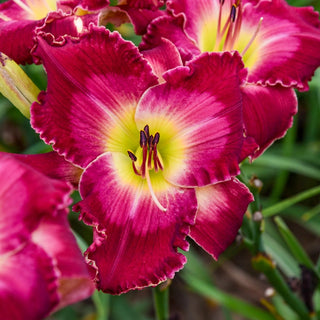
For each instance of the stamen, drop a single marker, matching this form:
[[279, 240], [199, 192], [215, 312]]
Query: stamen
[[134, 159], [252, 38]]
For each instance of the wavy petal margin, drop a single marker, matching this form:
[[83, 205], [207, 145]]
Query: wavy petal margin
[[220, 214], [198, 114], [268, 113], [135, 242], [92, 83]]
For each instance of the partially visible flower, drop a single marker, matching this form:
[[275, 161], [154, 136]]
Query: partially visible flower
[[39, 257], [158, 159], [278, 43], [20, 18]]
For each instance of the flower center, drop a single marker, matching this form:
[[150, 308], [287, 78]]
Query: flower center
[[230, 33], [150, 160]]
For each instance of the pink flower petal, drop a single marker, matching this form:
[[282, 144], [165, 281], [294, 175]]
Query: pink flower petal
[[268, 113], [55, 237], [135, 242], [220, 213], [91, 83], [202, 102], [163, 57], [171, 28], [20, 217], [28, 284], [52, 165]]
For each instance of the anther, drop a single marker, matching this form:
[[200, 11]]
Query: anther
[[132, 156], [156, 138], [146, 130], [143, 139], [233, 13]]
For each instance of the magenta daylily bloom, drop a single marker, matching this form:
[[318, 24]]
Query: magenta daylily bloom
[[39, 257], [20, 18], [154, 155], [278, 43]]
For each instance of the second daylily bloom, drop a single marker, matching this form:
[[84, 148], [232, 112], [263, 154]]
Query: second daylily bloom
[[155, 156], [278, 43]]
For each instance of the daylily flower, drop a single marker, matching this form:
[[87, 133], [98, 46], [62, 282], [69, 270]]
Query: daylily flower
[[20, 18], [153, 154], [278, 44], [39, 257]]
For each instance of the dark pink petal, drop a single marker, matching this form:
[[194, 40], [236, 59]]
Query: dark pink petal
[[220, 211], [26, 196], [135, 242], [294, 63], [28, 284], [171, 28], [52, 165], [268, 113], [92, 83], [54, 236], [16, 39], [204, 105], [163, 57]]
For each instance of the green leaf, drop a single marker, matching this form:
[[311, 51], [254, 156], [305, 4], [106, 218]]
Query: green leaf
[[277, 208], [293, 244]]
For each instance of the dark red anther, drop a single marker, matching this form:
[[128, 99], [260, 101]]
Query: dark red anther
[[146, 130], [150, 141], [233, 13], [156, 138], [132, 156], [143, 139]]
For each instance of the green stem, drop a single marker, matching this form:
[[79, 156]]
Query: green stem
[[161, 302], [270, 211], [102, 303]]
